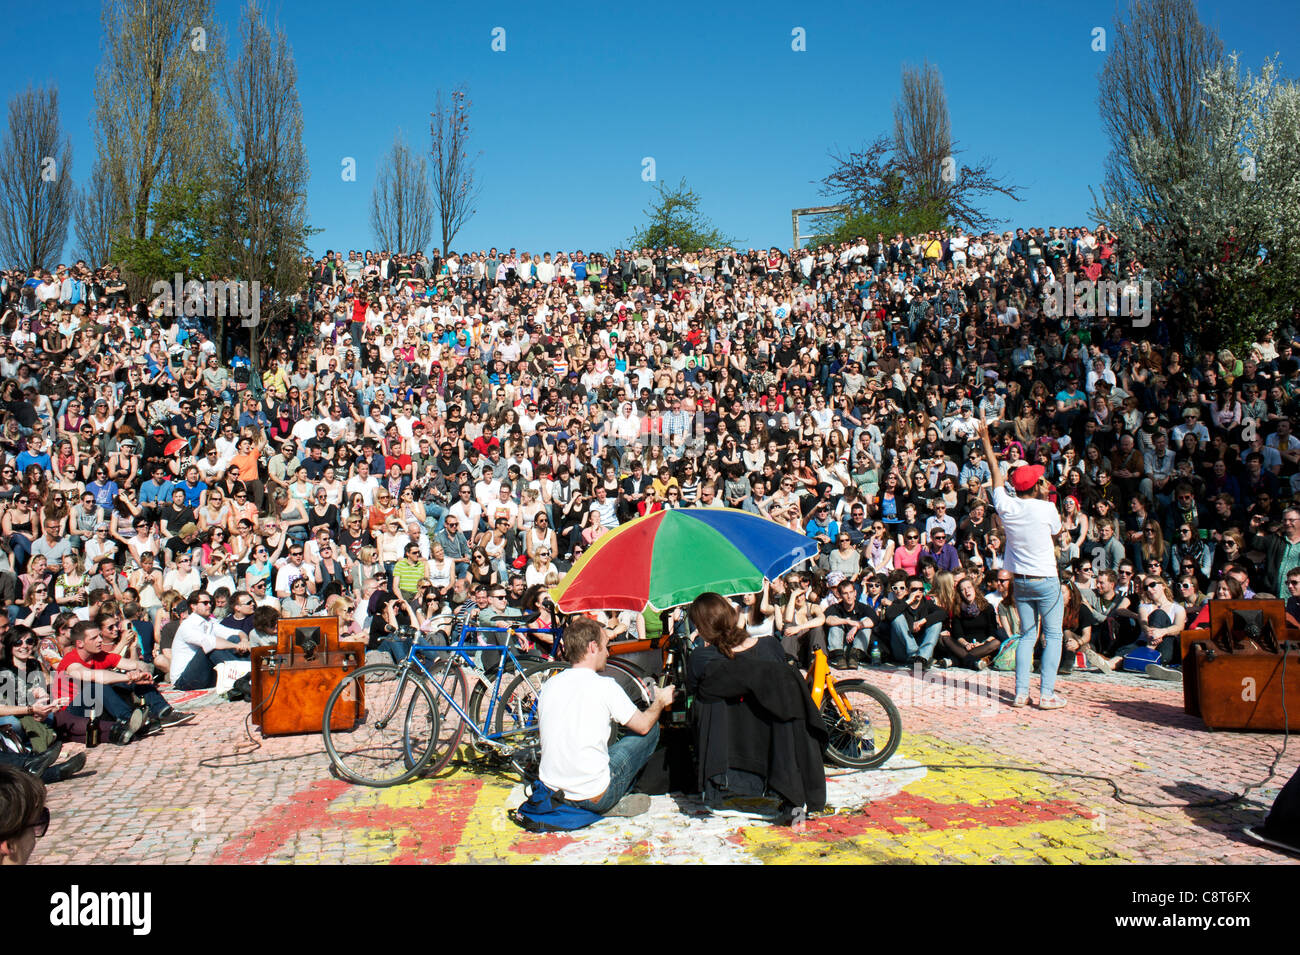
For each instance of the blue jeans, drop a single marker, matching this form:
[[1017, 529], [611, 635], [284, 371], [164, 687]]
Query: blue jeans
[[903, 642], [200, 673], [627, 757], [1039, 600], [835, 639], [435, 513], [22, 548], [113, 700]]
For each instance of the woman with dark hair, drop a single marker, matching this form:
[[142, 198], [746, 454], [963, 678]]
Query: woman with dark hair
[[24, 817], [737, 738]]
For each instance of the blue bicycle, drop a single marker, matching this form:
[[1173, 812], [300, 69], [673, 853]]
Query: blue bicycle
[[413, 714]]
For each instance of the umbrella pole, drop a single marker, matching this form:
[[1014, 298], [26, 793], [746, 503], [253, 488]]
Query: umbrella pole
[[665, 623]]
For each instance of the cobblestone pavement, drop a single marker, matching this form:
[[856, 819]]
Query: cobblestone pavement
[[153, 801]]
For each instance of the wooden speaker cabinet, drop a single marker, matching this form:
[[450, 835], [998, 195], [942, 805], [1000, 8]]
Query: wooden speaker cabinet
[[292, 681], [1238, 671]]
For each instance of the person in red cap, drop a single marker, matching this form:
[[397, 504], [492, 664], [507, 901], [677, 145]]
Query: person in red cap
[[1031, 523]]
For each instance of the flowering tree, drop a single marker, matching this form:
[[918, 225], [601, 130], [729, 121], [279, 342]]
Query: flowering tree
[[1213, 218]]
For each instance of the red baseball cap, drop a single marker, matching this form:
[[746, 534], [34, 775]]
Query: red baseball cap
[[1025, 477]]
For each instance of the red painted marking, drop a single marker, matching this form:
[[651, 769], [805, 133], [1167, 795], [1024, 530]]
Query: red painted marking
[[274, 828], [541, 844], [435, 828], [894, 813]]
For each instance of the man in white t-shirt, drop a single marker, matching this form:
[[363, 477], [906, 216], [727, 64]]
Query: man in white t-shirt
[[1031, 522], [575, 710]]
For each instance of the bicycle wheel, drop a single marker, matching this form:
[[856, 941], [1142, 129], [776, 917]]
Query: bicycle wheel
[[376, 751], [632, 679], [451, 727], [868, 737], [516, 714], [517, 707]]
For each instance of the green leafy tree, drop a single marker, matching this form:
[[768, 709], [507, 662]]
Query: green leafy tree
[[1212, 219], [184, 217], [891, 210], [675, 220], [158, 118]]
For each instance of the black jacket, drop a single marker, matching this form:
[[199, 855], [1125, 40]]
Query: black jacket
[[757, 715]]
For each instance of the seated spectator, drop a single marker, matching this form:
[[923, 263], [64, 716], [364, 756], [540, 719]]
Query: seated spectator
[[851, 622], [102, 684], [200, 644], [914, 624], [972, 639]]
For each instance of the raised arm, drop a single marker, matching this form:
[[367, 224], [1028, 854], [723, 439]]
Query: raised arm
[[994, 470]]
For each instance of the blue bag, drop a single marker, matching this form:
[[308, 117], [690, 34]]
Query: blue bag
[[1138, 660], [546, 810]]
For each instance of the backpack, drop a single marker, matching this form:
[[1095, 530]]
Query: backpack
[[1006, 655], [546, 810]]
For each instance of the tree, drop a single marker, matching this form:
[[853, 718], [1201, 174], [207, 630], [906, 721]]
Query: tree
[[401, 207], [884, 204], [1150, 83], [262, 194], [1212, 219], [95, 215], [157, 115], [455, 191], [911, 181], [185, 238], [35, 181], [923, 135], [675, 220]]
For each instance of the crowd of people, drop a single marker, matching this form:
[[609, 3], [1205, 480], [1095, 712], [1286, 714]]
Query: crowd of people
[[430, 439]]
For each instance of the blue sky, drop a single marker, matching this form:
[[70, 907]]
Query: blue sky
[[567, 113]]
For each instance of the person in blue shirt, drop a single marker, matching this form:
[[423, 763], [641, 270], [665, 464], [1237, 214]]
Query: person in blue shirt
[[974, 468], [34, 454], [821, 525], [157, 491], [192, 488], [253, 415], [104, 490]]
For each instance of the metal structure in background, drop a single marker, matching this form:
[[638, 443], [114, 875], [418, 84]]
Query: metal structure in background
[[810, 211]]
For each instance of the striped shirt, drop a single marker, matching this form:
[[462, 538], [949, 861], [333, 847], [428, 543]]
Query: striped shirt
[[408, 574]]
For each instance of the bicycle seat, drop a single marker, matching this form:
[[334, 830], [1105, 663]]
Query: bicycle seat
[[527, 618]]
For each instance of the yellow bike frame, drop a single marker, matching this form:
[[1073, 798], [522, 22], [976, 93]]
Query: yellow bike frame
[[820, 682]]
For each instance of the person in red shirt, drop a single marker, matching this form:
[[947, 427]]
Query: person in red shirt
[[96, 680]]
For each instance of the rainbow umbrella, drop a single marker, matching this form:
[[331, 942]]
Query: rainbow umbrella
[[669, 558]]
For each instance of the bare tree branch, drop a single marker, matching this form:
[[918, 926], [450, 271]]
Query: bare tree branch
[[913, 177], [401, 207], [923, 133], [454, 190], [35, 181], [266, 174], [1150, 83], [95, 215]]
